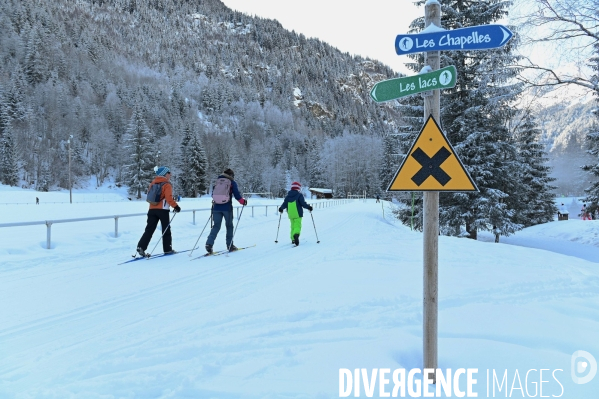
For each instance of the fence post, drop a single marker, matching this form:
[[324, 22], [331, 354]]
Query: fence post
[[252, 210], [194, 217], [48, 233], [116, 226]]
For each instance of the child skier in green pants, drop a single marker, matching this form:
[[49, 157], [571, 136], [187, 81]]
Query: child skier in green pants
[[294, 203]]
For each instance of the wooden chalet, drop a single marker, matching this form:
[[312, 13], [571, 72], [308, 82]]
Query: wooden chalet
[[320, 193]]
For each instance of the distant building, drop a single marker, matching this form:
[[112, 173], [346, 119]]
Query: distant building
[[321, 193]]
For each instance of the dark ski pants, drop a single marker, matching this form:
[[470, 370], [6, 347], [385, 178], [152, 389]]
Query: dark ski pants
[[155, 215], [217, 217]]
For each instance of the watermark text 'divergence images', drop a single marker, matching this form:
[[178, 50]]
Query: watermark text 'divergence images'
[[417, 383]]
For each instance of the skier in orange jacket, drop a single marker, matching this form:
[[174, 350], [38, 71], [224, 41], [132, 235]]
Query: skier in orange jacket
[[159, 211]]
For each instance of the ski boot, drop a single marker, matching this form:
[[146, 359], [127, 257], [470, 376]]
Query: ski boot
[[142, 253]]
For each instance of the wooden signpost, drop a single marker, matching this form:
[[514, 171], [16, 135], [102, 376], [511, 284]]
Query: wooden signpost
[[432, 165]]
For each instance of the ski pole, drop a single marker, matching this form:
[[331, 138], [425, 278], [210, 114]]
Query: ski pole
[[280, 214], [317, 240], [194, 245], [232, 238], [163, 233], [412, 218]]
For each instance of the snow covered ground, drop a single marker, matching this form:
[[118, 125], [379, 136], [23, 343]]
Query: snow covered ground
[[280, 322]]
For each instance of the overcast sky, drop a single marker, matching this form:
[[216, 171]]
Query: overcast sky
[[367, 28]]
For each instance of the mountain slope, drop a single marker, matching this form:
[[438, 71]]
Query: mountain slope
[[80, 68]]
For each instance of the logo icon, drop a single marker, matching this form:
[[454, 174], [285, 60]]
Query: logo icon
[[584, 367], [445, 78], [406, 44]]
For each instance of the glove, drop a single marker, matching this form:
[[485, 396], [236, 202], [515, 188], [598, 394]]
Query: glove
[[281, 210], [243, 201], [310, 208], [177, 209]]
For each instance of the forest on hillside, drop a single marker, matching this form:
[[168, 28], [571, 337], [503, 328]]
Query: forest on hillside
[[128, 85], [113, 88]]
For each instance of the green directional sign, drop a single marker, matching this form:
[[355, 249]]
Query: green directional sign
[[401, 87]]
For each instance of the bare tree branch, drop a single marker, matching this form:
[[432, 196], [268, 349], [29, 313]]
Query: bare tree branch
[[573, 25], [548, 77]]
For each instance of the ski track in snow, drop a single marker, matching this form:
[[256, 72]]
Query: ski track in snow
[[269, 321]]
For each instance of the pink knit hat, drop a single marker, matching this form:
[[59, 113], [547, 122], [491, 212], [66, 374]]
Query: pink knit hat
[[296, 186]]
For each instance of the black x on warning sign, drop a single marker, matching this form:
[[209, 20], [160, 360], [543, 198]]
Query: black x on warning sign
[[432, 165]]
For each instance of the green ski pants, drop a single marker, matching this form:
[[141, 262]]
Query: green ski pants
[[296, 226]]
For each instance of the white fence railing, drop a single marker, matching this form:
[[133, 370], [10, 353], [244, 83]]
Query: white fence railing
[[49, 223]]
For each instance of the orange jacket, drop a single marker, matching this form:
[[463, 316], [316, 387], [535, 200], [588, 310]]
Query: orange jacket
[[166, 196]]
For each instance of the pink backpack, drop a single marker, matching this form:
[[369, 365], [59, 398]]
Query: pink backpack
[[221, 194]]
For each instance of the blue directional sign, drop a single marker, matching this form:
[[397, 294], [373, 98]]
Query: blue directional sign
[[472, 38]]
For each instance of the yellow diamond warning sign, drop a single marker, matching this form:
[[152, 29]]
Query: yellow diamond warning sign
[[432, 165]]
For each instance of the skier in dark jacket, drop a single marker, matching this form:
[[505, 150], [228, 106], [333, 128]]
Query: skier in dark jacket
[[220, 211], [294, 203]]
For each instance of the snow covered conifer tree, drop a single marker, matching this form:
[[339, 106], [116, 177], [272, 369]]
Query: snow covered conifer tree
[[9, 166], [196, 168], [593, 191], [14, 97], [277, 154], [4, 128], [593, 142], [139, 172], [535, 203], [182, 178], [35, 65], [389, 163], [44, 180], [474, 117], [315, 166]]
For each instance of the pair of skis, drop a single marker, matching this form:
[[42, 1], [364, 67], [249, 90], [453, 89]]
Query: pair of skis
[[136, 258], [223, 252]]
